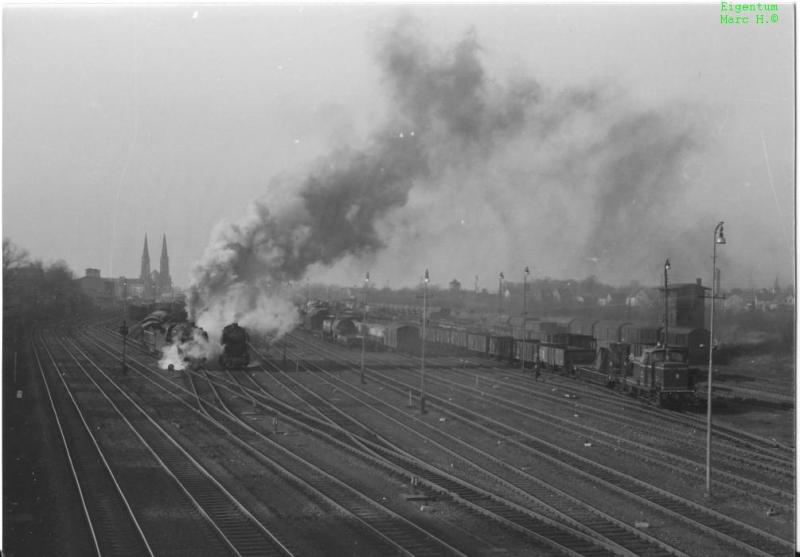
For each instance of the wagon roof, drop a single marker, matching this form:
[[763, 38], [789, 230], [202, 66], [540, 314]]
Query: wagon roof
[[650, 326], [612, 323], [687, 330], [584, 321], [396, 326]]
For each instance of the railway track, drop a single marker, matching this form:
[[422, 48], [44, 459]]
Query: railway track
[[391, 532], [728, 479], [213, 505], [740, 535], [113, 526], [497, 508], [732, 437], [749, 539], [627, 539]]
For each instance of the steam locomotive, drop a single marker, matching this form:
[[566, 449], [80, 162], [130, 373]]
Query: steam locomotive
[[156, 332], [235, 355]]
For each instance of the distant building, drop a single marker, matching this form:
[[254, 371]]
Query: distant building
[[101, 290], [641, 298], [686, 304]]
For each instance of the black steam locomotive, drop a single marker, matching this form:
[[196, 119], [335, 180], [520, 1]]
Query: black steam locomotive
[[235, 355]]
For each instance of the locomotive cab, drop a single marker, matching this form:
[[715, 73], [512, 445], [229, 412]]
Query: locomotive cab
[[663, 373]]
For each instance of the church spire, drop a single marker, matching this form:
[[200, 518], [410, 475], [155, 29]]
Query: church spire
[[165, 281], [145, 273], [144, 276]]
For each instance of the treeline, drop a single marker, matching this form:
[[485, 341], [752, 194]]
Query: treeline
[[34, 292]]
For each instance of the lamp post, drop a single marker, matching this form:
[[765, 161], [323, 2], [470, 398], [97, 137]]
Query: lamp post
[[525, 274], [364, 327], [719, 238], [667, 267], [422, 359], [123, 330], [124, 298]]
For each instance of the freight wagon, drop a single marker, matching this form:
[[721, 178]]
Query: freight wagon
[[501, 347], [477, 342], [563, 357], [403, 337], [527, 351]]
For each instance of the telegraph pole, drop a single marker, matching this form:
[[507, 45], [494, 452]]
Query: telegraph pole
[[525, 274], [364, 327], [422, 359]]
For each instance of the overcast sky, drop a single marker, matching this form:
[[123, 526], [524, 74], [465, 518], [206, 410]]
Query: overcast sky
[[640, 128]]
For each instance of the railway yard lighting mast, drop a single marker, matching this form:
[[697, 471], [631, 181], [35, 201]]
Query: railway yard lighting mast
[[123, 330], [667, 267], [363, 327], [525, 274], [422, 350], [719, 238]]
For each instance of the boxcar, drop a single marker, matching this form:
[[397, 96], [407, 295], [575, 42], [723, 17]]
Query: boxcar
[[574, 340], [543, 331], [458, 338], [559, 356], [640, 336], [501, 347], [438, 334], [527, 350], [607, 332], [478, 342], [403, 337]]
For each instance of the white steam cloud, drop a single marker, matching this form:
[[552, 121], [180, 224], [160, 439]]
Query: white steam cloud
[[181, 352]]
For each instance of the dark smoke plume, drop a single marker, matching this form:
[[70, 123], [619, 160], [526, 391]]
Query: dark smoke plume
[[446, 113], [492, 175]]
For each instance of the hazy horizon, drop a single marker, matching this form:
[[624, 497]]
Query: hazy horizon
[[575, 139]]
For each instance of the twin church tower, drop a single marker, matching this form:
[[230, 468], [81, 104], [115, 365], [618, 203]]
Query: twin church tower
[[156, 283]]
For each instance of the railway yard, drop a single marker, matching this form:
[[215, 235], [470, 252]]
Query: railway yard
[[297, 456]]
